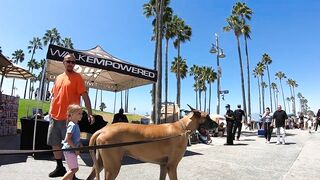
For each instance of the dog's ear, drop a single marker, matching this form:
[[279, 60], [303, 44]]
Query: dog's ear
[[196, 113], [192, 109]]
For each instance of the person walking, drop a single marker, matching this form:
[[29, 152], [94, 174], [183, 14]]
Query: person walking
[[230, 121], [267, 120], [278, 120], [317, 123], [238, 115], [72, 140], [68, 88]]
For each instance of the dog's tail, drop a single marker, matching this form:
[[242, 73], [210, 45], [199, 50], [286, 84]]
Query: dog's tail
[[94, 155]]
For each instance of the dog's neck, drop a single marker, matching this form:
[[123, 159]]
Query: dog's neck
[[186, 124]]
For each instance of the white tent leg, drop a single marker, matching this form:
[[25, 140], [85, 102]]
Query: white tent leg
[[115, 101]]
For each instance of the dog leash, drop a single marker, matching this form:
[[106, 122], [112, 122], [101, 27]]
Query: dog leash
[[104, 146]]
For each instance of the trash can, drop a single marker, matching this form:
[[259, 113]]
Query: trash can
[[145, 121]]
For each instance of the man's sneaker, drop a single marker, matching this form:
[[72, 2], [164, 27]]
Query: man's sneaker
[[283, 142], [278, 143], [58, 172], [268, 142]]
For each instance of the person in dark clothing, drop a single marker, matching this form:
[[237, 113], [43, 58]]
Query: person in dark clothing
[[301, 118], [279, 121], [238, 115], [230, 121], [317, 121], [267, 120], [120, 117]]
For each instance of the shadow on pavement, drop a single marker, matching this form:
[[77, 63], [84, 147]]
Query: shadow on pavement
[[127, 160]]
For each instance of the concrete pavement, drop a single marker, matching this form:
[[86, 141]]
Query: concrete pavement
[[249, 158]]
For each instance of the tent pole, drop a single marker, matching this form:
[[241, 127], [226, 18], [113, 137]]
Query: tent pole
[[114, 104], [39, 97], [2, 77]]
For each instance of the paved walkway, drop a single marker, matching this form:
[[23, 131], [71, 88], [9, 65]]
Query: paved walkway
[[250, 158]]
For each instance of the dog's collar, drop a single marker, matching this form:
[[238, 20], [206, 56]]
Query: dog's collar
[[184, 128]]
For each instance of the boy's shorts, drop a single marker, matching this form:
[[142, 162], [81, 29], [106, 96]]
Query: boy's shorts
[[56, 132], [71, 160]]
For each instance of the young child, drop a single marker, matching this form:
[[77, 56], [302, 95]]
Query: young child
[[72, 140], [309, 123]]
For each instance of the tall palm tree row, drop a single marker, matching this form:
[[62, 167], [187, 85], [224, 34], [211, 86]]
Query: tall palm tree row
[[280, 75], [34, 45], [292, 85], [258, 73], [236, 25], [17, 57], [32, 64], [195, 71], [67, 43], [245, 13], [266, 60], [211, 77]]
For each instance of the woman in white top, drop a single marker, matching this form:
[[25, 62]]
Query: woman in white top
[[267, 120]]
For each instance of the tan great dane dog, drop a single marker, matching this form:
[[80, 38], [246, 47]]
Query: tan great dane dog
[[167, 153]]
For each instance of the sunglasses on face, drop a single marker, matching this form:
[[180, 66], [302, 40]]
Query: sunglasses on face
[[70, 62]]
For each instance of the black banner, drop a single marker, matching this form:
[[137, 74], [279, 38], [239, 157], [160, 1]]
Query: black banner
[[57, 53]]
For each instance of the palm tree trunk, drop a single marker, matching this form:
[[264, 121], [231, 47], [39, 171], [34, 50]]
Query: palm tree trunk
[[284, 102], [25, 87], [178, 77], [13, 81], [269, 89], [209, 97], [159, 64], [262, 91], [166, 83], [30, 92], [242, 80], [294, 101], [95, 100], [196, 99], [274, 98], [200, 99], [248, 76], [259, 95], [205, 101]]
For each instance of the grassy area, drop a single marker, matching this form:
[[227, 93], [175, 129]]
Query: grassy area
[[26, 106]]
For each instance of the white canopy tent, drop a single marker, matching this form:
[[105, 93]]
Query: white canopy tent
[[99, 69]]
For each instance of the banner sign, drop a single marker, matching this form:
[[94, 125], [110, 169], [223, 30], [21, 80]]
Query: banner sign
[[57, 53]]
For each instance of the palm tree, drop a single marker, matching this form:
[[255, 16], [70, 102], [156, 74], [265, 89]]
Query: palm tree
[[258, 73], [245, 13], [67, 43], [280, 75], [274, 90], [288, 101], [195, 71], [183, 33], [181, 73], [33, 46], [212, 76], [267, 61], [32, 64], [236, 25], [292, 84], [300, 100], [51, 37], [17, 57], [263, 87], [169, 33], [155, 8]]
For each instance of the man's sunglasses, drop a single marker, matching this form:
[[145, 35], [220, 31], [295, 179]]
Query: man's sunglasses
[[70, 62]]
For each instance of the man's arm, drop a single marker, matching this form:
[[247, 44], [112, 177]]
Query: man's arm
[[87, 103]]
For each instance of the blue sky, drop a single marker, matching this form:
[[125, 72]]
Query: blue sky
[[287, 30]]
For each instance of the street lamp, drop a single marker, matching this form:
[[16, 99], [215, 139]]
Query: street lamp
[[215, 49]]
